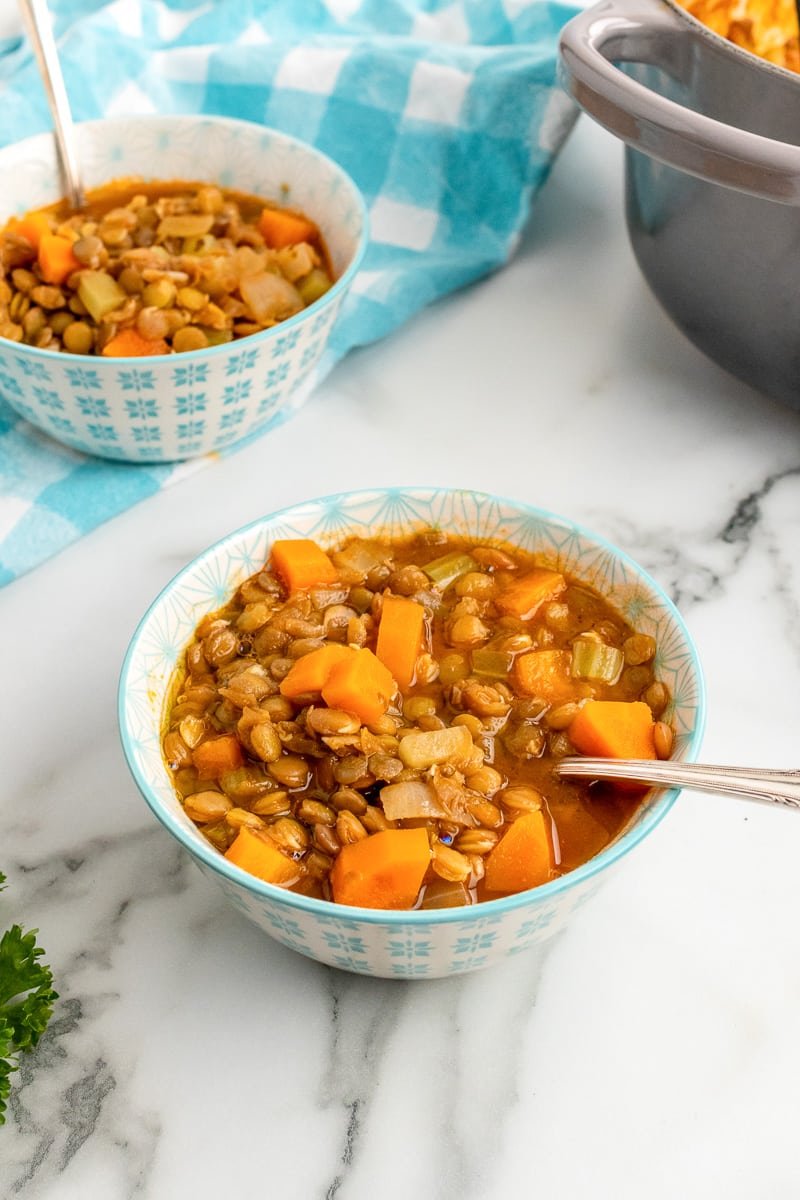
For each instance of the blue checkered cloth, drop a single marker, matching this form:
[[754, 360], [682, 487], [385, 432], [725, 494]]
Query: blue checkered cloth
[[447, 113]]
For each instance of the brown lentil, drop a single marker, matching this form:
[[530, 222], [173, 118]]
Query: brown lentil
[[237, 817], [272, 804], [476, 841], [207, 806], [349, 828], [449, 864], [291, 770], [638, 648], [663, 739], [349, 800], [265, 742], [657, 697], [289, 834], [520, 798], [326, 840]]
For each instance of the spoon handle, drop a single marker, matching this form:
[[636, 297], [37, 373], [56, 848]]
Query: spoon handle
[[40, 31], [763, 785]]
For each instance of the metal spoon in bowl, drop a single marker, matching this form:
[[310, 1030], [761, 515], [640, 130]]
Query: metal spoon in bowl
[[763, 785], [40, 31]]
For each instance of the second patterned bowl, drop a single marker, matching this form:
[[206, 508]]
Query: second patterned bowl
[[169, 407]]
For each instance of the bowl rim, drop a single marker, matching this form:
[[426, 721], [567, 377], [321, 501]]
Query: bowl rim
[[253, 340], [662, 798]]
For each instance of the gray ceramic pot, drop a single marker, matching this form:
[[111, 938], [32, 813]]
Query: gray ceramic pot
[[712, 169]]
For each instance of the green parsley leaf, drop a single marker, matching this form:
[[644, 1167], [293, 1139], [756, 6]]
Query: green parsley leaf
[[26, 1000]]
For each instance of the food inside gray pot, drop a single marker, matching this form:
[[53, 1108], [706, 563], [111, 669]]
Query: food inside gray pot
[[712, 177]]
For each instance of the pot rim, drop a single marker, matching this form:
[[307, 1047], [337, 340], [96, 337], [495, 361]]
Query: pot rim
[[596, 42]]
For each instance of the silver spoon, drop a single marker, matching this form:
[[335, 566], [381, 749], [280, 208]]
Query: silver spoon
[[763, 785], [40, 31]]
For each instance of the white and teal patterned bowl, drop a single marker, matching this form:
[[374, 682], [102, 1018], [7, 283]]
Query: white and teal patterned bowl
[[178, 406], [418, 944]]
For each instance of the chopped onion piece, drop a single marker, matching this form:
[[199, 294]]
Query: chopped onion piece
[[412, 798], [453, 796], [359, 557], [423, 749], [270, 297]]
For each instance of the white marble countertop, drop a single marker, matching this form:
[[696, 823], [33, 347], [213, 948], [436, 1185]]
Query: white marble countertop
[[653, 1050]]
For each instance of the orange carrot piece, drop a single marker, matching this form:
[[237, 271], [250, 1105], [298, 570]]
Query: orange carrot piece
[[256, 853], [614, 729], [361, 684], [523, 858], [32, 226], [56, 260], [280, 228], [218, 755], [545, 673], [309, 674], [400, 637], [525, 594], [301, 564], [129, 343], [384, 870]]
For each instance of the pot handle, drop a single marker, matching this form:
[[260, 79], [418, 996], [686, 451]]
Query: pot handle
[[651, 32]]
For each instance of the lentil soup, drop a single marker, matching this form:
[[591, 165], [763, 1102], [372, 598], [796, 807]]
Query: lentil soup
[[156, 268], [376, 724]]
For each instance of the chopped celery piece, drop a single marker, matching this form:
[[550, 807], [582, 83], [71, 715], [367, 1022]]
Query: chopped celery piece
[[443, 571], [494, 664], [100, 293], [216, 337], [596, 660], [315, 284]]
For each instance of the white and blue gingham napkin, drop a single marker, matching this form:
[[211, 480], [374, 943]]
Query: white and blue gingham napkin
[[447, 114]]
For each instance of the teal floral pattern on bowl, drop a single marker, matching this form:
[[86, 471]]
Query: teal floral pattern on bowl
[[415, 944], [178, 406]]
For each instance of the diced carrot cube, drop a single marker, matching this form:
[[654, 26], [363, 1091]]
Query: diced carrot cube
[[525, 594], [280, 228], [400, 634], [256, 853], [129, 343], [32, 226], [360, 684], [384, 870], [302, 564], [218, 755], [545, 673], [56, 259], [309, 673], [614, 729], [523, 858]]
